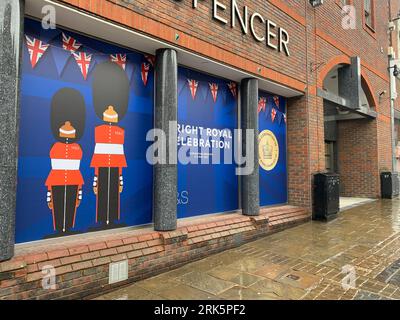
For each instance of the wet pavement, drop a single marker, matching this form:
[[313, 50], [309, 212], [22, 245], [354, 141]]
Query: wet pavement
[[356, 256]]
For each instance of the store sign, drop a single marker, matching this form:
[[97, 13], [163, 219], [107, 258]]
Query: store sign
[[261, 28], [86, 107]]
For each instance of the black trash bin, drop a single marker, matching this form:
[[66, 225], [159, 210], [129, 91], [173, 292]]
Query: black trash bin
[[389, 185], [326, 196]]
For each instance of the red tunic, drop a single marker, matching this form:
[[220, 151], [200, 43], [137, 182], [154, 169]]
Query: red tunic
[[65, 160], [109, 149]]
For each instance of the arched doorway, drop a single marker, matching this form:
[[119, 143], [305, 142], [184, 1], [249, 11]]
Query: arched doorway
[[349, 130]]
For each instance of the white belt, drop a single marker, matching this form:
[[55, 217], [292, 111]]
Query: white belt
[[109, 148], [65, 164]]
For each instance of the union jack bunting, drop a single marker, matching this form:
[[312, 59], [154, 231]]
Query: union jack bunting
[[233, 87], [36, 49], [193, 85], [83, 60], [69, 43], [276, 100], [151, 59], [273, 114], [214, 90], [145, 72], [119, 59], [262, 104]]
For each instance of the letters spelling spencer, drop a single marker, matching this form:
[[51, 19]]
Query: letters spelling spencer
[[276, 38]]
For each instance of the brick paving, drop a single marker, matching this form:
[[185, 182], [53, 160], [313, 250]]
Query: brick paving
[[356, 256]]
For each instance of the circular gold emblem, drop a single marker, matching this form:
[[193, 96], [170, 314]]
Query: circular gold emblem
[[268, 150]]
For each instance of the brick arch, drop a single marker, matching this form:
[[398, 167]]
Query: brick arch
[[342, 59], [365, 82], [367, 87]]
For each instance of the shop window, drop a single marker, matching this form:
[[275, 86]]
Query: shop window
[[207, 118], [272, 149], [86, 107]]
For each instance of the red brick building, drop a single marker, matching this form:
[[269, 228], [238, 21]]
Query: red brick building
[[329, 63]]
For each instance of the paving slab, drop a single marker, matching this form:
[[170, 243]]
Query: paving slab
[[205, 282], [356, 256]]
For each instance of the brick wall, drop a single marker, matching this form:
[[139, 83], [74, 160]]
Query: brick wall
[[82, 264], [357, 158]]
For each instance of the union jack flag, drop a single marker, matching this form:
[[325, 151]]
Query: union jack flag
[[36, 49], [145, 72], [69, 43], [262, 104], [193, 85], [214, 90], [276, 100], [151, 59], [83, 60], [119, 59], [273, 114], [233, 87]]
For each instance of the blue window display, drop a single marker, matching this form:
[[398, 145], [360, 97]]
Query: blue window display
[[207, 117], [272, 149], [82, 151]]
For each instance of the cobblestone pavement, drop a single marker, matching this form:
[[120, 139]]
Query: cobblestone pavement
[[356, 256]]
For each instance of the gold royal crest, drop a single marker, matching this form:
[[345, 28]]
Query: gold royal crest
[[268, 150]]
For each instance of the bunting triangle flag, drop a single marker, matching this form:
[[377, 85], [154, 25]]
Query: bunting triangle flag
[[151, 59], [214, 91], [83, 61], [233, 88], [145, 72], [119, 59], [193, 86], [273, 114], [280, 117], [181, 85], [61, 58], [36, 49], [276, 101], [262, 104], [69, 43], [203, 91], [224, 93], [93, 53], [49, 35]]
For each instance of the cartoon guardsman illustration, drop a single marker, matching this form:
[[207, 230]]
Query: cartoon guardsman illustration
[[65, 181], [110, 100]]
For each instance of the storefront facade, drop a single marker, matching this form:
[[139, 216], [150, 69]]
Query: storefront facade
[[82, 101]]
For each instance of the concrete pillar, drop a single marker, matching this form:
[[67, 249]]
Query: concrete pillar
[[166, 110], [250, 193], [349, 78], [11, 33]]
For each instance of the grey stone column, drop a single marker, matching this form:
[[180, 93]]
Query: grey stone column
[[250, 194], [11, 33], [166, 110], [350, 82]]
